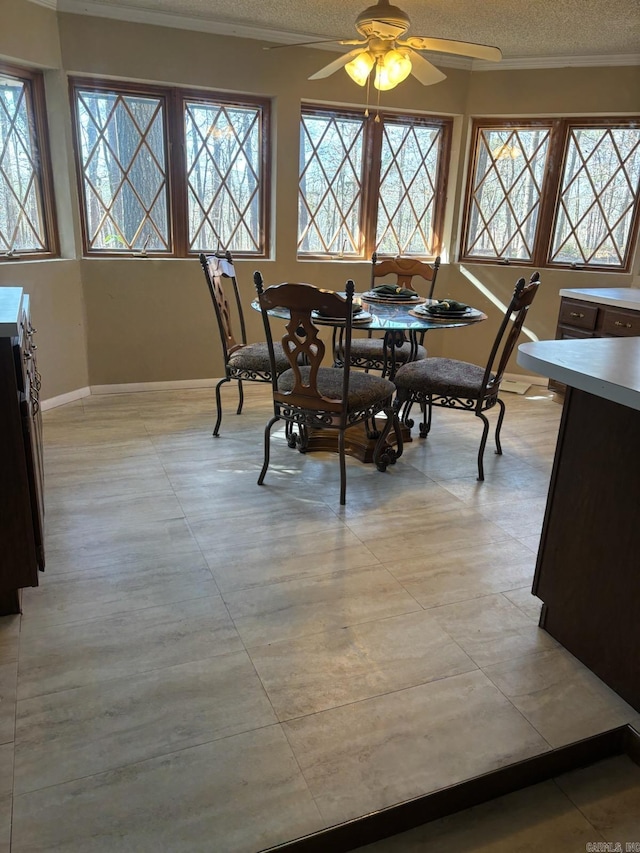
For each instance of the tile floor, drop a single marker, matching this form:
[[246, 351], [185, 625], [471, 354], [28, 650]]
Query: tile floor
[[595, 808], [212, 666]]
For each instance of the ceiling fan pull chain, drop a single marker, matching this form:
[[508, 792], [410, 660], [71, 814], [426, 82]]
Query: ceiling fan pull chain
[[366, 112]]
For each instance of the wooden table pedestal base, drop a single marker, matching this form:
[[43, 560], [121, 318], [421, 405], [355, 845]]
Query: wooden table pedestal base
[[356, 441]]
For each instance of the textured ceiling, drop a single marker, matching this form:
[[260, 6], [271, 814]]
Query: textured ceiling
[[520, 28]]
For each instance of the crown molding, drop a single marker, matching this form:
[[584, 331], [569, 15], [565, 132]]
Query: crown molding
[[239, 30], [532, 62], [182, 22]]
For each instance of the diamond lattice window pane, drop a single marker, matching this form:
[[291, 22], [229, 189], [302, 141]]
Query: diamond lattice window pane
[[22, 226], [224, 173], [330, 187], [124, 172], [600, 186], [505, 197], [410, 162]]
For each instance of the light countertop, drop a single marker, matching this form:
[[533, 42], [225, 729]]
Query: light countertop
[[606, 367], [10, 307], [621, 297]]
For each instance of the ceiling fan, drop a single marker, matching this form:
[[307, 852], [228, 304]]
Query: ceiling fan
[[394, 57]]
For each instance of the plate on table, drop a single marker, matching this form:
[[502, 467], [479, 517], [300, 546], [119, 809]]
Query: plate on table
[[434, 311], [360, 316], [427, 312], [392, 299], [447, 308]]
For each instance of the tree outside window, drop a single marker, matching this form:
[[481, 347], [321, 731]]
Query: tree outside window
[[167, 172], [27, 220], [554, 193], [369, 185]]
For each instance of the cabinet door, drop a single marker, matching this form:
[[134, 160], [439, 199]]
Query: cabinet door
[[18, 558], [32, 432], [35, 476]]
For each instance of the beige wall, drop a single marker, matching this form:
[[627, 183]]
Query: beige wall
[[57, 312], [29, 33], [151, 320], [552, 91], [29, 36]]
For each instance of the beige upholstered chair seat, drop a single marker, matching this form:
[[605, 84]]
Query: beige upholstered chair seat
[[254, 358], [444, 377], [373, 348], [364, 389]]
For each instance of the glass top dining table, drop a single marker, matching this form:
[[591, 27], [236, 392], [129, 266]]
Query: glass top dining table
[[400, 320]]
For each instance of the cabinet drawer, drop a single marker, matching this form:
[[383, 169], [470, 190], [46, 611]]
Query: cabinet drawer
[[620, 323], [569, 333], [579, 314]]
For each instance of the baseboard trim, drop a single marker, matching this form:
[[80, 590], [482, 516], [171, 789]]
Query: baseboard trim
[[172, 385], [63, 399], [127, 388], [186, 384], [357, 833]]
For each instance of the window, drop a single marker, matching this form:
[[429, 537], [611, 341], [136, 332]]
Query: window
[[224, 159], [123, 161], [27, 218], [368, 185], [554, 193], [170, 172]]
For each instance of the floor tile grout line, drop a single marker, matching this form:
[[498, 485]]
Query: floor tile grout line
[[128, 675], [599, 835], [147, 759], [380, 695]]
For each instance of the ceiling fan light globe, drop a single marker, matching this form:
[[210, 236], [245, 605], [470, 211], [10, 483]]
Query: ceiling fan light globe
[[398, 64], [360, 67], [393, 68], [381, 80]]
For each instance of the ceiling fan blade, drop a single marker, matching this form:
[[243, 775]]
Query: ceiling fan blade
[[461, 48], [299, 44], [338, 63], [307, 43], [425, 71]]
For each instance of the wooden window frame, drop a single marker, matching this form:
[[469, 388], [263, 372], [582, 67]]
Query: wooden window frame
[[371, 167], [560, 133], [263, 105], [34, 81], [174, 99]]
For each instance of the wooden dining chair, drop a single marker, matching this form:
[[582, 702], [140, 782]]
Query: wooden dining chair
[[311, 396], [455, 384], [384, 354], [405, 271], [242, 361]]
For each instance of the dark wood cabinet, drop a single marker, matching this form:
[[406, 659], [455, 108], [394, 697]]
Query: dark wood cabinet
[[587, 568], [579, 318], [21, 453]]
